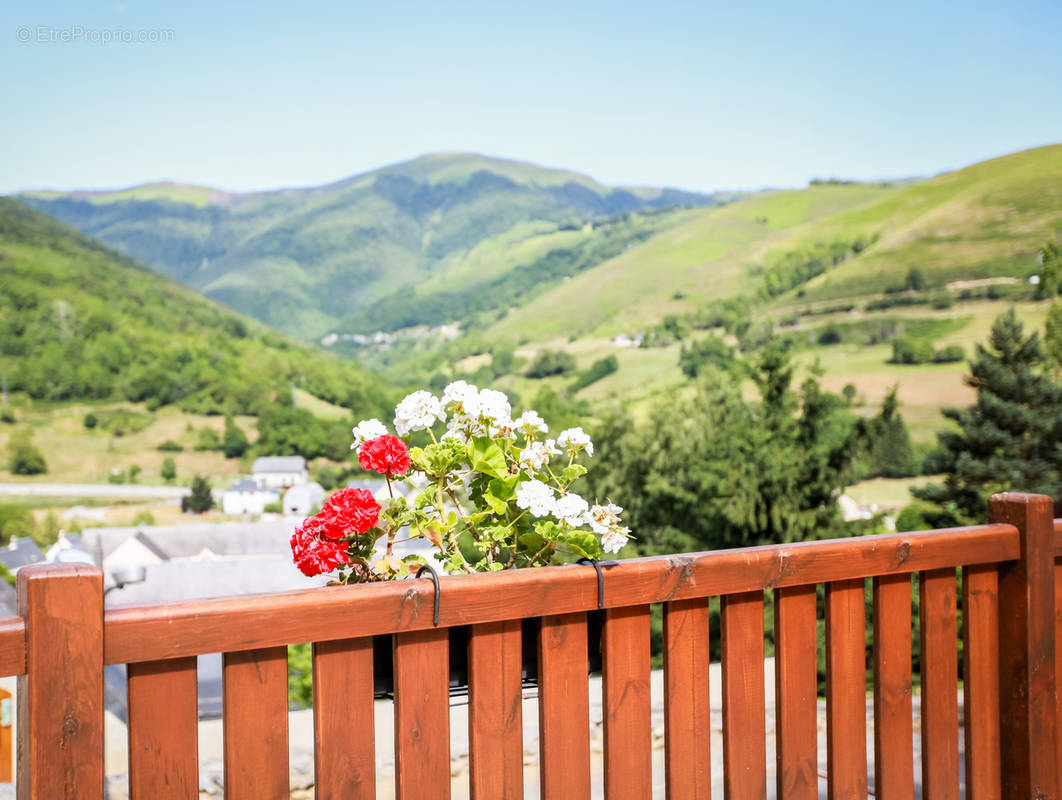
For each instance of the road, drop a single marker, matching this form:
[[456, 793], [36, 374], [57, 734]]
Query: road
[[115, 490]]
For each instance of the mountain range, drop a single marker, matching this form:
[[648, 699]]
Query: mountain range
[[304, 260]]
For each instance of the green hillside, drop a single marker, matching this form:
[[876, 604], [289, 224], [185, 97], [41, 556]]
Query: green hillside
[[79, 321], [985, 221], [845, 271], [301, 260]]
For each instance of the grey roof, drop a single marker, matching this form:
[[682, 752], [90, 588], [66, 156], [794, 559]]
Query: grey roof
[[245, 485], [279, 464], [150, 545], [186, 541], [21, 552]]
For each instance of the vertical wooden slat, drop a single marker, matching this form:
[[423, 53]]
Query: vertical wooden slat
[[628, 728], [163, 730], [980, 628], [495, 714], [563, 707], [255, 723], [846, 700], [744, 729], [940, 701], [795, 693], [344, 723], [1028, 736], [422, 714], [687, 714], [893, 720], [1058, 659], [60, 698]]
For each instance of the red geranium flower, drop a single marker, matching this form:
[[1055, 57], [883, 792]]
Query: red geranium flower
[[387, 455], [348, 510], [313, 552]]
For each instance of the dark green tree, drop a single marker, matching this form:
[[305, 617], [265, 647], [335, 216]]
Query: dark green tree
[[1053, 337], [710, 352], [169, 469], [721, 471], [234, 441], [1008, 440], [888, 451], [1050, 271], [201, 499]]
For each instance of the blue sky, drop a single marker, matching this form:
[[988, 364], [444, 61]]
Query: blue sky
[[699, 95]]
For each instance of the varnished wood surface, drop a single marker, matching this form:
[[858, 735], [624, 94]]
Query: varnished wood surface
[[152, 633]]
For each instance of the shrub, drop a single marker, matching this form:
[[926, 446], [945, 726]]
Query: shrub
[[273, 508], [912, 518], [831, 334], [943, 300], [90, 421], [169, 446], [207, 439], [169, 470], [27, 460], [599, 369], [7, 415], [144, 517], [911, 351], [551, 362], [950, 354]]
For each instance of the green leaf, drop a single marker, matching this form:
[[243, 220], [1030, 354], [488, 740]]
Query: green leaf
[[584, 544], [573, 473], [504, 488], [497, 506], [533, 542], [485, 456], [469, 548], [496, 533]]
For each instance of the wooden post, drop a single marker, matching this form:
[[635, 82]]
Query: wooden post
[[1027, 649], [60, 698]]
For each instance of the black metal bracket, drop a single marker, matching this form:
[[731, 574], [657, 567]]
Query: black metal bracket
[[600, 580], [438, 592]]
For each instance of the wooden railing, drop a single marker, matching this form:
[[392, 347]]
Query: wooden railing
[[63, 638]]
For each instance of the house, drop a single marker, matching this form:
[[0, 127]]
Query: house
[[280, 472], [20, 552], [135, 551], [300, 501], [247, 496]]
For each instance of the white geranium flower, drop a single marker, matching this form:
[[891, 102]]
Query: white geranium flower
[[418, 412], [536, 497], [494, 406], [465, 398], [572, 509], [502, 428], [602, 518], [614, 539], [365, 430], [529, 422], [574, 439], [537, 454]]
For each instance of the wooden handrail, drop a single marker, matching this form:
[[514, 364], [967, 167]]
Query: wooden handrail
[[152, 633]]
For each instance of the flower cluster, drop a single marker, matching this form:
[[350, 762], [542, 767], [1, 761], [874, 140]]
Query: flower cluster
[[490, 492]]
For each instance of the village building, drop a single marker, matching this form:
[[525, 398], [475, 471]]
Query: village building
[[280, 472]]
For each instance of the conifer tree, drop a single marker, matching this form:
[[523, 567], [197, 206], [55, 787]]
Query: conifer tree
[[1009, 440], [889, 452]]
